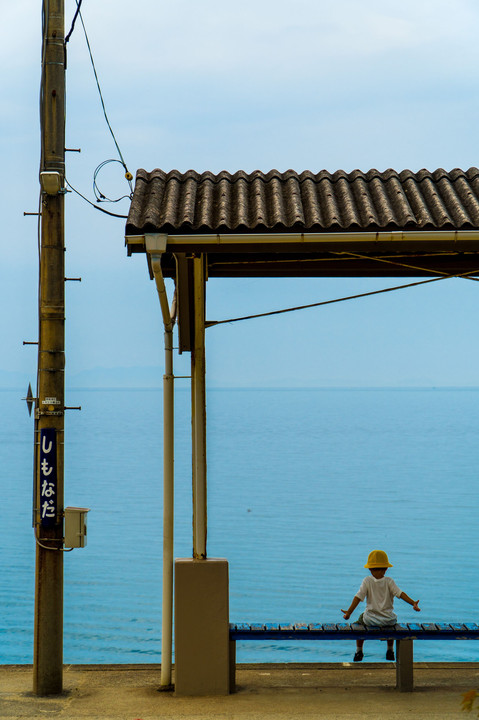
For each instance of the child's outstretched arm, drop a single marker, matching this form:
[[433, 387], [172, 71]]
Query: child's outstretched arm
[[355, 602], [414, 603]]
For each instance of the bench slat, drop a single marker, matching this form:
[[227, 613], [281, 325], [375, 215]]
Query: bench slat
[[414, 627], [256, 626], [301, 627], [356, 627], [429, 627]]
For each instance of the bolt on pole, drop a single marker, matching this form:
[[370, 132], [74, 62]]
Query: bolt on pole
[[50, 403]]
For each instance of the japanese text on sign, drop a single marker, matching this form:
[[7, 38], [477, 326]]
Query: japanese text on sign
[[48, 477]]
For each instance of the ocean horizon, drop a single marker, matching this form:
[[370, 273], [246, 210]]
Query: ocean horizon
[[302, 484], [151, 377]]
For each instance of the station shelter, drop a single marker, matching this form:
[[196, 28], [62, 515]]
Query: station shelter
[[195, 226]]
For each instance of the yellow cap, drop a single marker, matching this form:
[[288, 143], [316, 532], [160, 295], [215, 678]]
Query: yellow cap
[[377, 559]]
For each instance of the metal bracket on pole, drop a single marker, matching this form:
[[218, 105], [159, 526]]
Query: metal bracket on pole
[[30, 399]]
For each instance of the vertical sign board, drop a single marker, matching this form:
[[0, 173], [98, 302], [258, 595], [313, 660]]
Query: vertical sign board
[[48, 477]]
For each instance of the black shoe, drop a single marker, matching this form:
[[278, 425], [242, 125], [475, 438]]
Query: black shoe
[[390, 654], [358, 656]]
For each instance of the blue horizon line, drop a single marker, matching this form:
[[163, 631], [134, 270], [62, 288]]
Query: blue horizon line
[[155, 388]]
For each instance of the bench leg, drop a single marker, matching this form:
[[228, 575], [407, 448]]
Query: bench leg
[[232, 666], [404, 665]]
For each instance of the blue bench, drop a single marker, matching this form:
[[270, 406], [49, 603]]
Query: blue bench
[[403, 633]]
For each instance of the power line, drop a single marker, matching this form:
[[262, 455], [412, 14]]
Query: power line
[[326, 302], [70, 32], [107, 212], [408, 266], [100, 197], [128, 175]]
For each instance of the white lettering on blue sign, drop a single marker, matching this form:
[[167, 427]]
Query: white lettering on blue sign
[[48, 509], [46, 470], [48, 476], [48, 489], [46, 449]]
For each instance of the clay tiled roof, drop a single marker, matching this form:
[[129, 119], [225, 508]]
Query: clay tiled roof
[[191, 202]]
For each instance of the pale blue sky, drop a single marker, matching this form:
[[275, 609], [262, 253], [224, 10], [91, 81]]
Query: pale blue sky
[[252, 85]]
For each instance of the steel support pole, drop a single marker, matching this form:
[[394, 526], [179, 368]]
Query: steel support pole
[[168, 510], [50, 403], [198, 412], [155, 246]]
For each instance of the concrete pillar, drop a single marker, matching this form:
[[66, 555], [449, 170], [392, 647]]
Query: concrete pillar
[[201, 627]]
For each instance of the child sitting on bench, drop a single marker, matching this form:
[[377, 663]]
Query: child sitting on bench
[[379, 592]]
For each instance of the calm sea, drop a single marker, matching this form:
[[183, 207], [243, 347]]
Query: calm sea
[[302, 485]]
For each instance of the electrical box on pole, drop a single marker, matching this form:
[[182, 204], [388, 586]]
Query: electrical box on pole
[[75, 527]]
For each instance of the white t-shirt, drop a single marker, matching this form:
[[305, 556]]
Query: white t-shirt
[[379, 594]]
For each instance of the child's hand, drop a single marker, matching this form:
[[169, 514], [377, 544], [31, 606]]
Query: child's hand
[[347, 614], [416, 606]]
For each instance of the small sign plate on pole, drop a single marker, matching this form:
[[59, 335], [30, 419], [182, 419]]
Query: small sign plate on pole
[[48, 477]]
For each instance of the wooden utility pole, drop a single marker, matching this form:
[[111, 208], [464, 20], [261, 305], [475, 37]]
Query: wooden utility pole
[[50, 404]]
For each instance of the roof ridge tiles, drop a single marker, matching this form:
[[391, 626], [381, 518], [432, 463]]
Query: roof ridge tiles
[[366, 174]]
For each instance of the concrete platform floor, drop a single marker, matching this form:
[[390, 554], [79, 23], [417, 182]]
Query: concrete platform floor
[[265, 692]]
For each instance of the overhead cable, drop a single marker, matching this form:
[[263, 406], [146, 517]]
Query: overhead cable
[[337, 256], [107, 212], [100, 197], [73, 21], [408, 266], [212, 323], [128, 175]]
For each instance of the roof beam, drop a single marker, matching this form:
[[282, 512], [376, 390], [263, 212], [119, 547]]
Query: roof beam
[[420, 240], [361, 254]]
